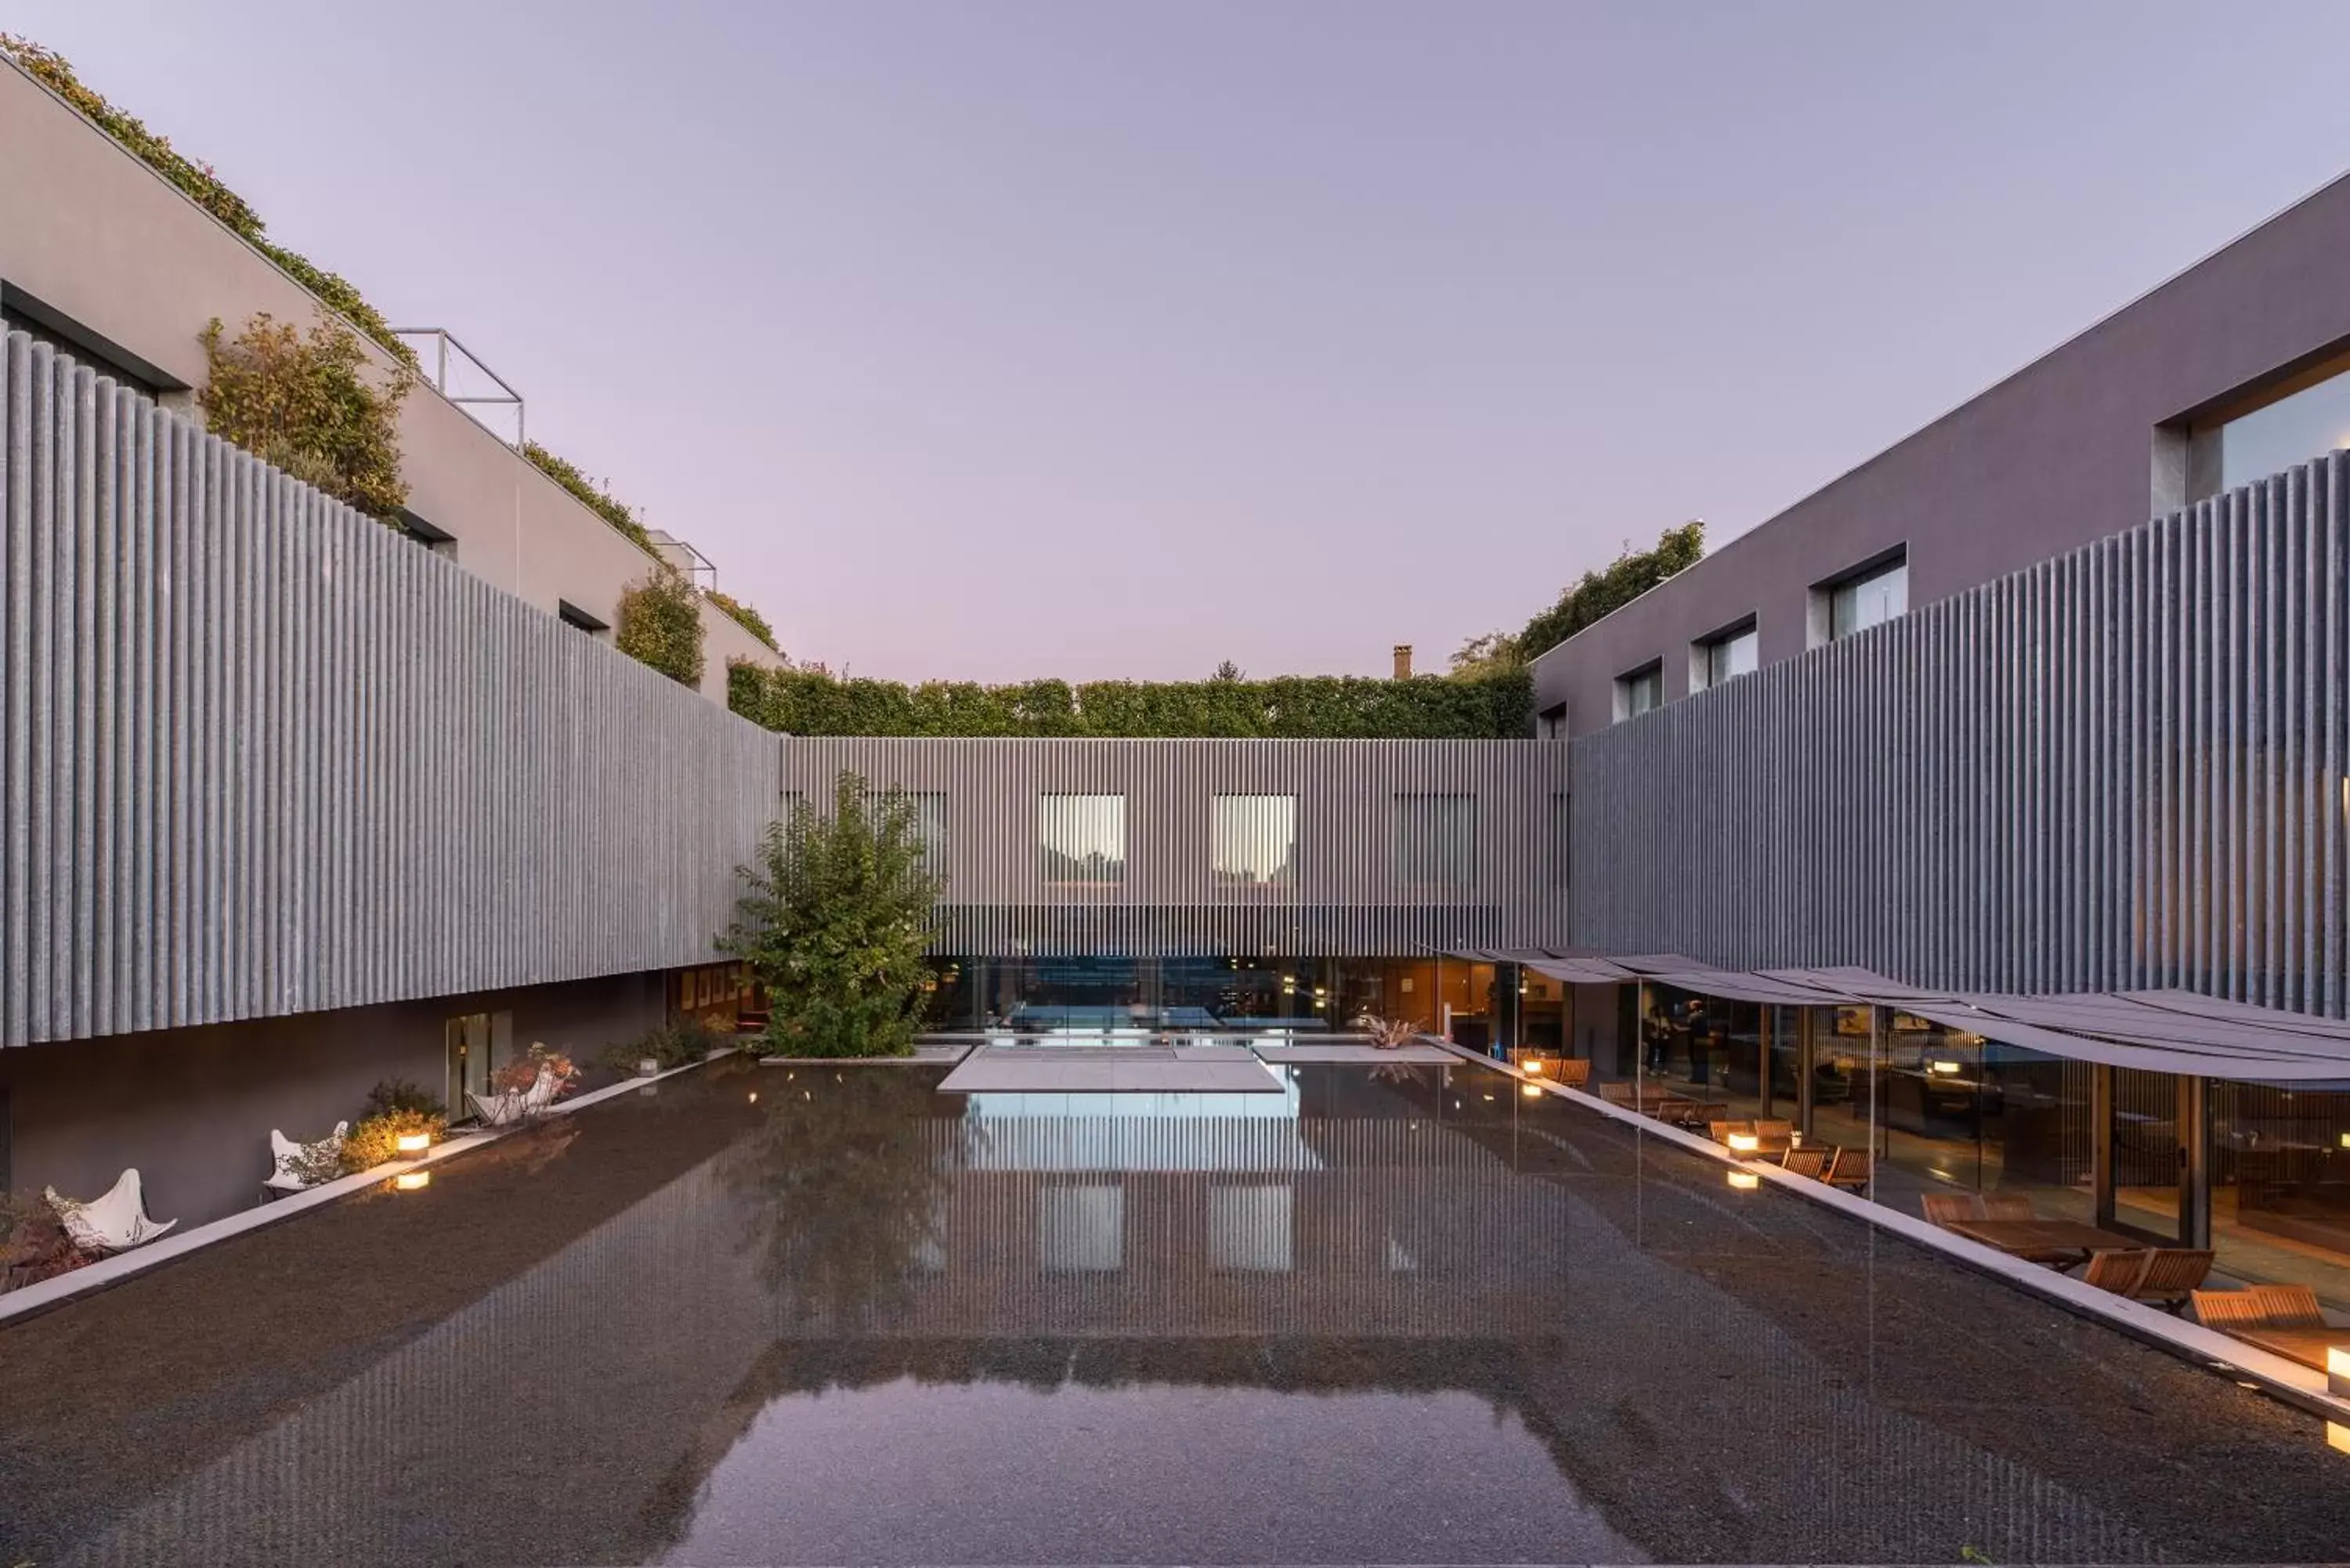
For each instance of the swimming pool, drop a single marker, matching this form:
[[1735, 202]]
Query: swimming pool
[[1396, 1313]]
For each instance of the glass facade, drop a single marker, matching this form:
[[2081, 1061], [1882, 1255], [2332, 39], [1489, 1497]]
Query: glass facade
[[1728, 658], [2310, 419], [1081, 838], [1253, 839], [1436, 840], [1081, 999], [1641, 691], [1871, 599]]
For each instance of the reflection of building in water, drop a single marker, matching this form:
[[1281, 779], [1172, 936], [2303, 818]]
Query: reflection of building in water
[[1298, 1252]]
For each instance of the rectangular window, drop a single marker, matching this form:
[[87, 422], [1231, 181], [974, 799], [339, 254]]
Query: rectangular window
[[1436, 840], [2290, 422], [1253, 838], [1081, 838], [1551, 725], [1725, 657], [1639, 691], [1868, 598], [930, 823]]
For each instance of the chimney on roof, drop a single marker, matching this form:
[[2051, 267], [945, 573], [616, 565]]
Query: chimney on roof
[[1403, 661]]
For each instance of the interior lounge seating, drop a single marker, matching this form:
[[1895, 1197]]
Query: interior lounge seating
[[2165, 1275], [114, 1221]]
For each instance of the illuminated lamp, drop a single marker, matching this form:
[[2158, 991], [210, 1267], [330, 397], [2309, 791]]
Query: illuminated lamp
[[1745, 1180], [413, 1143], [1745, 1143], [412, 1180]]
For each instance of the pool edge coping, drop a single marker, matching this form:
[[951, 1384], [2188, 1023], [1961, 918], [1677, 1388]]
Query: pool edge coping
[[29, 1301], [2215, 1351]]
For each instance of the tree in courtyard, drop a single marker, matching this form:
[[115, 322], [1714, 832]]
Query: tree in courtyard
[[833, 922]]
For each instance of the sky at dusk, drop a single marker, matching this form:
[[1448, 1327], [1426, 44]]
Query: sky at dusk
[[1112, 339]]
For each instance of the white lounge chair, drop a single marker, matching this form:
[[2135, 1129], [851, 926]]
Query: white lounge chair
[[285, 1151], [112, 1223], [498, 1110]]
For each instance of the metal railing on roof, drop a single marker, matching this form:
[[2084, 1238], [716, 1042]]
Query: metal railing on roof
[[457, 373]]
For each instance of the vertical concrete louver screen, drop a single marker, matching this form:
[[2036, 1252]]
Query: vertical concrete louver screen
[[259, 755], [2123, 767], [1392, 846]]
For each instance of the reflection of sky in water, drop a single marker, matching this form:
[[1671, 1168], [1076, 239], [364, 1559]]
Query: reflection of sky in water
[[1159, 1472]]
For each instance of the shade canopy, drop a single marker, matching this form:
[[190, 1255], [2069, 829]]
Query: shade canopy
[[2147, 1030]]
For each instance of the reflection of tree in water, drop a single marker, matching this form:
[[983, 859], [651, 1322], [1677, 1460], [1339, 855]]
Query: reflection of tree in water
[[853, 1168]]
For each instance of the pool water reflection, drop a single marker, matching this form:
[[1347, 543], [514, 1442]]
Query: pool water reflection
[[1402, 1314]]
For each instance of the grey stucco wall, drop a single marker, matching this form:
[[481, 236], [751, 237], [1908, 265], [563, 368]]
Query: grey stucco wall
[[193, 1108], [97, 237], [2057, 455], [1346, 898], [2121, 768], [259, 755]]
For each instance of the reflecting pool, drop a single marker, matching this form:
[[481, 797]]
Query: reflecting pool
[[1400, 1314]]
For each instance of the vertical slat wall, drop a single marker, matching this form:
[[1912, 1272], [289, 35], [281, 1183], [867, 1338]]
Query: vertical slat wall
[[1346, 896], [259, 755], [2122, 767]]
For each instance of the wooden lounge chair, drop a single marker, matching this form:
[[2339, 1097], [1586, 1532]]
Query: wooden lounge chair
[[1812, 1162], [2283, 1320], [1944, 1208], [2259, 1307], [2164, 1275], [1574, 1071], [1849, 1167], [112, 1222], [1618, 1093], [2006, 1206]]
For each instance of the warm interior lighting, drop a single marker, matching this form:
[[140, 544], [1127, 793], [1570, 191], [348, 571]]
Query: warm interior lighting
[[1744, 1180], [412, 1180], [1745, 1143], [755, 1096], [1531, 1091], [2337, 1437], [2346, 1141], [1946, 1066], [1533, 1066], [413, 1143], [2337, 1370]]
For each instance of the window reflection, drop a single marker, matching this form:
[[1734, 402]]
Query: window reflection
[[1872, 599], [2310, 419], [1253, 838], [1081, 838]]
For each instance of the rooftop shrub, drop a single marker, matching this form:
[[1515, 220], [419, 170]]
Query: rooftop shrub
[[660, 624], [593, 496], [749, 619], [1583, 602], [201, 185], [807, 701], [309, 405]]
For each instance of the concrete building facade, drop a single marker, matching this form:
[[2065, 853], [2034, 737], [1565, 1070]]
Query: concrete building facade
[[105, 259]]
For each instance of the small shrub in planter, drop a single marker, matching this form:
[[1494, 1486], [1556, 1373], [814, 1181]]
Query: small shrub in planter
[[1388, 1034], [34, 1243], [398, 1095], [375, 1141], [678, 1042]]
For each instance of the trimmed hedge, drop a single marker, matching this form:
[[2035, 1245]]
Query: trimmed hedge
[[810, 702]]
